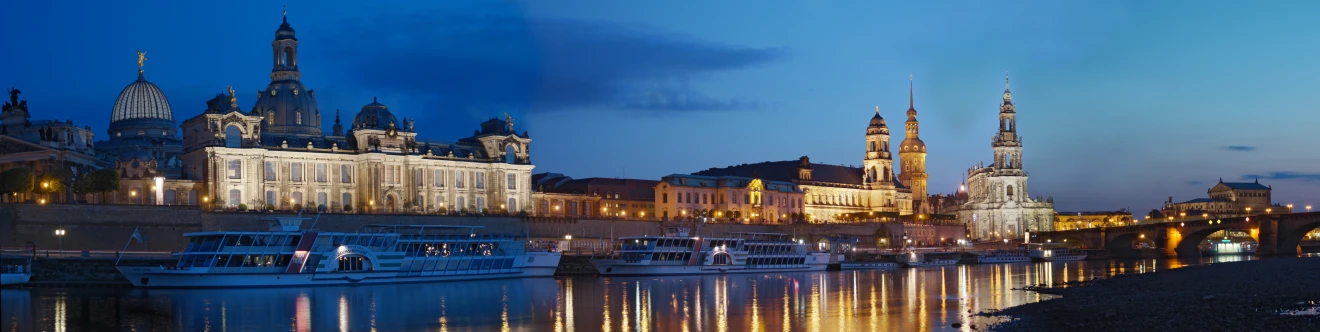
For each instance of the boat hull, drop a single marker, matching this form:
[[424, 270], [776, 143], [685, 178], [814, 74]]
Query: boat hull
[[1002, 259], [1060, 258], [867, 265], [932, 263], [614, 267], [8, 279], [160, 277]]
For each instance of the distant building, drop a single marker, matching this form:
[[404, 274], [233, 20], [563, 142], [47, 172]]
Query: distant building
[[44, 146], [1064, 221], [1227, 199], [548, 200], [728, 199], [616, 198], [998, 205]]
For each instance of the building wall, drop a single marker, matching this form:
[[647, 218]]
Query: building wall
[[1064, 221]]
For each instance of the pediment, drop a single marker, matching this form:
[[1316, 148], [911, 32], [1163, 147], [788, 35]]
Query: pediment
[[9, 144]]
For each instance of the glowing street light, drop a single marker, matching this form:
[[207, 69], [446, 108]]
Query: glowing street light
[[568, 237], [1308, 208], [59, 233], [45, 185], [1268, 210]]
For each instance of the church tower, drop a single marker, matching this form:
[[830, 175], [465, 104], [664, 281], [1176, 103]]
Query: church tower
[[878, 164], [288, 106], [1007, 144], [912, 154]]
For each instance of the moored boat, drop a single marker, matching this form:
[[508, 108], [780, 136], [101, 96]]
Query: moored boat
[[913, 258], [1050, 252], [869, 261], [677, 253], [377, 254], [1002, 256], [16, 273]]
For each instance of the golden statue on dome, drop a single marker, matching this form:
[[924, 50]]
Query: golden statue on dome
[[142, 57]]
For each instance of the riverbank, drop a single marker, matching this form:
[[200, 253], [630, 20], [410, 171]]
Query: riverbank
[[1242, 296]]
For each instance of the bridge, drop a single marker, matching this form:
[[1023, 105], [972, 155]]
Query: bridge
[[1277, 234]]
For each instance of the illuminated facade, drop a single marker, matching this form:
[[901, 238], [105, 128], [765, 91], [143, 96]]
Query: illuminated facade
[[275, 156], [728, 198], [1228, 199], [1065, 221], [912, 156], [998, 205]]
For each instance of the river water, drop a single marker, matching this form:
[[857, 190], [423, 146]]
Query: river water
[[888, 300]]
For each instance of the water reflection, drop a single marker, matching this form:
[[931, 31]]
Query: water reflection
[[906, 300]]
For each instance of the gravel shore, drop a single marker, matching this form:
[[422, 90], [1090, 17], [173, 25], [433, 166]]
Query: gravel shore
[[1242, 296]]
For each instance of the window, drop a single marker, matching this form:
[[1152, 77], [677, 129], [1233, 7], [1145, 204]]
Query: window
[[233, 137], [345, 175], [417, 177], [689, 198], [321, 175], [439, 178], [235, 169], [321, 199], [458, 181], [703, 199], [440, 201], [297, 116], [480, 182], [270, 171], [169, 196], [295, 172], [513, 204], [235, 197], [297, 198], [664, 198], [347, 199], [513, 181], [481, 204], [270, 197], [460, 203]]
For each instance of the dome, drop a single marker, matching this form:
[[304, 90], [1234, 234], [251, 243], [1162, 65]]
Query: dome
[[375, 116], [285, 31], [141, 100], [289, 107], [877, 121], [912, 144]]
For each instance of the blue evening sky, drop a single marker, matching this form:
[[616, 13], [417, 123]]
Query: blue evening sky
[[1120, 103]]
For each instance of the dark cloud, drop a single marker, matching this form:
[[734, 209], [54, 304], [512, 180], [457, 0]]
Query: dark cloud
[[1195, 183], [1283, 176], [1239, 148], [503, 61]]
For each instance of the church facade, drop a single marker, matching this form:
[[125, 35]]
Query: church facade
[[997, 204]]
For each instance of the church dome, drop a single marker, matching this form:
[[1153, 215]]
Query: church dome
[[285, 31], [912, 144], [374, 116], [141, 100], [289, 108], [877, 121]]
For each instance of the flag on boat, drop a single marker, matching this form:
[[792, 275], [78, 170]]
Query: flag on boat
[[136, 235]]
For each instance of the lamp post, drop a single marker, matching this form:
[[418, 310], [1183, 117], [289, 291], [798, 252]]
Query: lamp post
[[59, 234]]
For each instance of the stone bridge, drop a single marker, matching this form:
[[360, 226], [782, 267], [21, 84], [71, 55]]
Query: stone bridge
[[1277, 234]]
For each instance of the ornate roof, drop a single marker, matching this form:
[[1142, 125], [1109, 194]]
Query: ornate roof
[[141, 100], [375, 116]]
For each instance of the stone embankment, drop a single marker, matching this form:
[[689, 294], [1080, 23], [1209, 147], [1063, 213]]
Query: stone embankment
[[1244, 296]]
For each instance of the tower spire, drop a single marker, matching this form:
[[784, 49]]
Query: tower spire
[[877, 109], [286, 14], [910, 103]]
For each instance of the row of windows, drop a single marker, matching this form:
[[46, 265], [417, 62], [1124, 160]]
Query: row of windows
[[393, 174], [749, 198]]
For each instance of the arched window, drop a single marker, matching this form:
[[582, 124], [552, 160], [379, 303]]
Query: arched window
[[235, 197], [510, 155], [233, 137], [872, 146], [1010, 191], [289, 59], [297, 117]]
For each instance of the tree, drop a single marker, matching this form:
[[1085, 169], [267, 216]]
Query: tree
[[1154, 214], [16, 180], [99, 181]]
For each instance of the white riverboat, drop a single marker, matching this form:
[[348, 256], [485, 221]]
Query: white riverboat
[[16, 273], [377, 254], [1051, 252], [677, 253], [1002, 256], [913, 258]]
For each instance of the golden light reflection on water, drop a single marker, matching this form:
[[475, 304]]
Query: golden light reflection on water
[[824, 301]]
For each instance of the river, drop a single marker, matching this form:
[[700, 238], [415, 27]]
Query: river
[[928, 299]]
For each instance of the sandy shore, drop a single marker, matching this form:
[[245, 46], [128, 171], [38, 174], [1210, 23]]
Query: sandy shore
[[1243, 296]]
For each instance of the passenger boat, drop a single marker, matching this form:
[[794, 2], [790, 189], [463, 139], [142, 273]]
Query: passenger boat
[[1002, 256], [869, 261], [677, 253], [1233, 243], [913, 258], [377, 254], [1050, 252]]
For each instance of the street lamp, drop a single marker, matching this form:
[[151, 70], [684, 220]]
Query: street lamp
[[59, 233], [1308, 208], [1248, 210], [1268, 210]]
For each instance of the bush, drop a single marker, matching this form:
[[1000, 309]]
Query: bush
[[443, 210], [348, 207], [270, 207], [242, 207], [297, 207], [320, 208]]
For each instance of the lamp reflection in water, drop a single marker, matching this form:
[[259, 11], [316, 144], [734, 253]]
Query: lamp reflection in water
[[303, 313]]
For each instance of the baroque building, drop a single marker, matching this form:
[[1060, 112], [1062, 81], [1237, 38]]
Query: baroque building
[[44, 146], [276, 157], [997, 204], [1228, 199], [728, 198], [142, 131], [833, 193]]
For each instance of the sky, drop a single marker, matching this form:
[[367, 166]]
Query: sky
[[1121, 104]]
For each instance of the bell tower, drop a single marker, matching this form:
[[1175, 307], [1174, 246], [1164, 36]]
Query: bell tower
[[912, 153], [878, 164], [285, 49], [1007, 144]]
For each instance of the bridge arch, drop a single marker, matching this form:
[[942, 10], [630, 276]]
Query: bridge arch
[[1190, 238], [1291, 233]]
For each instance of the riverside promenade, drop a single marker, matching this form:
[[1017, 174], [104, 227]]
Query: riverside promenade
[[1241, 296]]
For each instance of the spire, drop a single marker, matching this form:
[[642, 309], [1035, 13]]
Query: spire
[[877, 109], [910, 103], [286, 14]]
